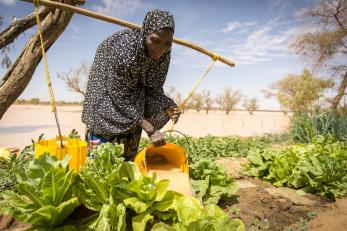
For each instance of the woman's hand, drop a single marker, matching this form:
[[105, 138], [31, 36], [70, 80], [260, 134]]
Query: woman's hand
[[174, 113], [157, 139]]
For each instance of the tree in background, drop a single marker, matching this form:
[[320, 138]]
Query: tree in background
[[298, 93], [177, 97], [228, 99], [196, 102], [76, 79], [34, 101], [17, 78], [250, 105], [207, 100], [326, 46]]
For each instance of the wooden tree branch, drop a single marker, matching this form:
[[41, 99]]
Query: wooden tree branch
[[336, 17], [21, 72], [76, 79], [340, 92], [17, 27], [126, 24]]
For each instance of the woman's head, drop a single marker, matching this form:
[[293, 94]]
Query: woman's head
[[158, 29], [159, 42]]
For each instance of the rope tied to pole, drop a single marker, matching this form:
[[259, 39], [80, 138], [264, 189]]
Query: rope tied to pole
[[215, 56], [48, 77]]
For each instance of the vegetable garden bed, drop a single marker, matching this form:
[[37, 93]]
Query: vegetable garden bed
[[115, 196]]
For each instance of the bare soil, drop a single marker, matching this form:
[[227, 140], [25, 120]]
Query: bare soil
[[260, 210], [334, 218], [8, 223]]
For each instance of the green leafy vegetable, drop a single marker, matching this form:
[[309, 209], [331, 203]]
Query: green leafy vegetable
[[319, 167], [210, 182], [9, 168], [45, 197], [120, 194]]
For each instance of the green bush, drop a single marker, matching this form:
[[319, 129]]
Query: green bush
[[305, 126], [34, 101]]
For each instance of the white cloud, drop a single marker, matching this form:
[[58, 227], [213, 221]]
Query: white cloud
[[117, 8], [231, 26], [263, 44], [8, 2], [236, 25], [300, 13]]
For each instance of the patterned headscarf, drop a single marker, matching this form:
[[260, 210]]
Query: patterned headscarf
[[157, 19], [153, 21]]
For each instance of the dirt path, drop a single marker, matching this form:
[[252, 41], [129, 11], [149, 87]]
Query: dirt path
[[333, 219], [260, 210]]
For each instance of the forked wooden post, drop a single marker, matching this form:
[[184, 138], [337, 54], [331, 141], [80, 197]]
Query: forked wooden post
[[130, 25]]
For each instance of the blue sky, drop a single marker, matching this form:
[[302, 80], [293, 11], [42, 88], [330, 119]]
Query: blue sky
[[255, 34]]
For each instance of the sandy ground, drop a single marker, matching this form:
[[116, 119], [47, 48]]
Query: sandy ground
[[23, 122]]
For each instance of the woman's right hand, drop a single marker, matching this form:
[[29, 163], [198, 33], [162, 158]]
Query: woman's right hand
[[174, 113], [157, 138]]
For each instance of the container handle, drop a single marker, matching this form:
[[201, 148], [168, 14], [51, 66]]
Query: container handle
[[186, 138]]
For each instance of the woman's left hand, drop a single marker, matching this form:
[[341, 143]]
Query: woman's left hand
[[174, 113]]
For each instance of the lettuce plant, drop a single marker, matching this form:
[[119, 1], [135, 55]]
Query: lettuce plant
[[44, 197]]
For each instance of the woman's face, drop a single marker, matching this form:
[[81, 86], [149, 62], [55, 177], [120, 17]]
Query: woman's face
[[159, 42]]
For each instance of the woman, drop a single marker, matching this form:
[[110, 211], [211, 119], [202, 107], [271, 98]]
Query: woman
[[125, 87]]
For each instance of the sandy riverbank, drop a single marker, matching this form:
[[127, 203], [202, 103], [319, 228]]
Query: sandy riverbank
[[23, 122]]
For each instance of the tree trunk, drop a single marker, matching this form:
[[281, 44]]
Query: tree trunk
[[21, 72], [340, 93]]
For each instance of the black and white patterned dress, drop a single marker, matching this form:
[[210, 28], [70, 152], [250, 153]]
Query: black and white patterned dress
[[125, 85]]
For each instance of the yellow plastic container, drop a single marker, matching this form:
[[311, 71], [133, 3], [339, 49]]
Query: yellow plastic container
[[76, 148], [5, 153], [172, 153], [167, 162]]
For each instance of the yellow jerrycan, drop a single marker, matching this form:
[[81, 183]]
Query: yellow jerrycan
[[76, 148], [168, 162]]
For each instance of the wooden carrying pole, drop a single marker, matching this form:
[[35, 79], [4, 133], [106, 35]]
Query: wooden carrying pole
[[130, 25]]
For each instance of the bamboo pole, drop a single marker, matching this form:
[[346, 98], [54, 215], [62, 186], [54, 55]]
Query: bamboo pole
[[130, 25]]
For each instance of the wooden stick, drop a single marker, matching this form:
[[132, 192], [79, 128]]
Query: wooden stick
[[130, 25]]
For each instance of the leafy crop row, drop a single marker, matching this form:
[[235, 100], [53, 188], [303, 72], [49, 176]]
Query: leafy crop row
[[215, 147], [318, 167], [121, 198]]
